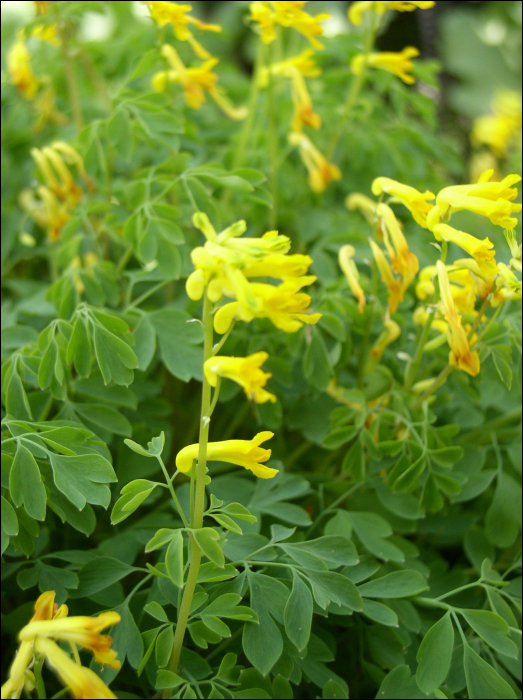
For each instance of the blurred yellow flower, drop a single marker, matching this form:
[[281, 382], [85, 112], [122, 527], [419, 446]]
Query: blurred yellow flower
[[365, 204], [321, 172], [390, 333], [279, 266], [245, 371], [490, 199], [244, 453], [508, 284], [358, 9], [395, 286], [287, 14], [461, 356], [403, 262], [173, 13], [500, 130], [42, 6], [20, 70], [397, 63], [416, 202], [347, 264]]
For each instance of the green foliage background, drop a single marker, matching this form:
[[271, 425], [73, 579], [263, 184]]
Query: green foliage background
[[391, 570]]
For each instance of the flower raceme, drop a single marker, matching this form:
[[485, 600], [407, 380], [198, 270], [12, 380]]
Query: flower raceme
[[287, 14], [177, 15], [50, 623], [399, 64], [245, 371], [500, 130], [461, 355], [490, 199], [481, 250], [358, 9], [243, 453], [394, 285], [195, 82], [321, 172], [347, 264], [20, 70], [416, 202]]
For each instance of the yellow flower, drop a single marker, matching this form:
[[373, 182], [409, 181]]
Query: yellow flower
[[245, 371], [508, 284], [421, 316], [481, 250], [397, 63], [321, 172], [195, 82], [81, 681], [51, 163], [365, 204], [395, 287], [284, 306], [54, 213], [20, 70], [48, 34], [173, 13], [391, 332], [42, 6], [403, 262], [244, 453], [357, 9], [45, 107], [347, 264], [304, 63], [490, 199], [279, 266], [461, 356], [287, 14], [502, 129], [416, 202]]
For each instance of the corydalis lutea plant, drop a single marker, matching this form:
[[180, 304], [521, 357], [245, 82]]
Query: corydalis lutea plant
[[315, 559]]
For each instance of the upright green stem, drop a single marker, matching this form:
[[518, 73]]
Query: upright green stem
[[355, 89], [273, 144], [72, 87], [413, 367], [194, 565], [173, 493], [39, 682]]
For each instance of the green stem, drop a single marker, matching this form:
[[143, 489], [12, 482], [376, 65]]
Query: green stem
[[148, 293], [216, 349], [439, 381], [355, 89], [122, 264], [194, 566], [39, 681], [70, 80], [273, 144], [173, 493], [253, 104], [332, 508], [412, 369], [432, 603], [459, 590]]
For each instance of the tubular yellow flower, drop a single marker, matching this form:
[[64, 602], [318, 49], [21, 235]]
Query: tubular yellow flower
[[83, 631], [358, 9], [490, 199], [282, 305], [55, 213], [391, 332], [482, 251], [397, 63], [508, 284], [421, 315], [279, 266], [81, 681], [20, 70], [45, 107], [48, 34], [395, 287], [347, 264], [403, 262], [287, 14], [173, 13], [461, 356], [58, 177], [502, 129], [416, 202], [304, 63], [245, 371], [321, 172], [244, 453], [365, 204]]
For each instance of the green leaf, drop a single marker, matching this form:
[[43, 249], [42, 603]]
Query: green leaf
[[304, 558], [372, 530], [431, 498], [25, 483], [133, 495], [9, 519], [409, 479], [79, 348], [210, 572], [155, 610], [449, 486], [164, 645], [337, 588], [174, 558], [83, 478], [446, 456], [239, 511], [435, 654], [145, 342], [16, 402], [339, 437], [398, 584], [298, 613], [380, 613], [167, 679], [115, 357], [179, 340], [99, 574], [207, 540], [262, 642], [162, 537], [493, 629], [317, 366], [226, 605], [47, 365], [332, 549], [334, 690], [503, 517], [135, 447], [227, 523], [105, 417], [482, 680]]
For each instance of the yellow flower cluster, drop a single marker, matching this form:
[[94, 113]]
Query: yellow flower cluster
[[358, 9], [502, 129], [245, 371], [287, 14], [49, 625], [195, 81], [224, 265], [61, 193]]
